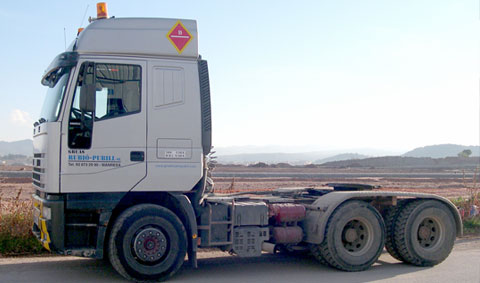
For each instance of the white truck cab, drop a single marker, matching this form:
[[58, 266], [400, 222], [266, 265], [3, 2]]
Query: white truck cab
[[120, 170], [123, 101]]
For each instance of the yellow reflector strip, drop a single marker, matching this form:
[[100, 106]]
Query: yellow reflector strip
[[44, 234]]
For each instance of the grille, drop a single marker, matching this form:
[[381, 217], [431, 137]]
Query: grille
[[38, 170], [38, 184], [36, 176]]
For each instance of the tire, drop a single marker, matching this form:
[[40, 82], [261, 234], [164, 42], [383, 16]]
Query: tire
[[147, 243], [354, 237], [316, 251], [425, 232], [390, 218]]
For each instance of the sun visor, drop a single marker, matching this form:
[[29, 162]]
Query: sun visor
[[62, 61]]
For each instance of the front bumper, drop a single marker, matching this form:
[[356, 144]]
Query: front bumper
[[49, 229]]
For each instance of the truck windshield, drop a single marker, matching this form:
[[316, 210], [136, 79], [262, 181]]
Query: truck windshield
[[55, 93]]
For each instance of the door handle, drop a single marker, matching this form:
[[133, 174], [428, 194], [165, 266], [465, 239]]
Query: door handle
[[137, 156]]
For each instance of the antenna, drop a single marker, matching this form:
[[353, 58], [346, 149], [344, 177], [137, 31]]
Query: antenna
[[84, 15], [65, 38]]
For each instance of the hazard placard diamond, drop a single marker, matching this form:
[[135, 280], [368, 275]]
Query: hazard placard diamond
[[179, 36]]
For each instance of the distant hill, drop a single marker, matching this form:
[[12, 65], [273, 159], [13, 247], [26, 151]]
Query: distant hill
[[406, 162], [441, 150], [316, 150], [24, 147], [320, 157], [340, 157], [292, 158]]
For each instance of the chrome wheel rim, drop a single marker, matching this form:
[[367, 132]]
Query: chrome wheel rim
[[150, 245]]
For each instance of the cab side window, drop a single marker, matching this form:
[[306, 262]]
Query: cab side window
[[117, 93], [117, 90]]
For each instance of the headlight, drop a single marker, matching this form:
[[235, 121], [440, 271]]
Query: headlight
[[47, 213]]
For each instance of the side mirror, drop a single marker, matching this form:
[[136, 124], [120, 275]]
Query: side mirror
[[87, 97]]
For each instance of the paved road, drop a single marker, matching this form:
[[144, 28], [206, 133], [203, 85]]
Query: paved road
[[463, 265]]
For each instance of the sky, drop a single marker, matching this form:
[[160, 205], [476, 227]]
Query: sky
[[391, 75]]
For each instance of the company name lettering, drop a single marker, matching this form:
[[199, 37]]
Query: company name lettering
[[87, 157]]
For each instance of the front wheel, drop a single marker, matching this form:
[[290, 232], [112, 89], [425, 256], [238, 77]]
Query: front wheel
[[354, 237], [147, 243]]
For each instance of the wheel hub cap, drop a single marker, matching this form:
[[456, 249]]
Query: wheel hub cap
[[355, 236], [424, 232], [150, 244], [428, 233], [351, 235]]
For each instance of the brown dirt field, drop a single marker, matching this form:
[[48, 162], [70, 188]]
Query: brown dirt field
[[9, 191], [447, 187], [15, 168]]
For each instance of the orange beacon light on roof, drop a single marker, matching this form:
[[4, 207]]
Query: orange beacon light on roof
[[102, 12]]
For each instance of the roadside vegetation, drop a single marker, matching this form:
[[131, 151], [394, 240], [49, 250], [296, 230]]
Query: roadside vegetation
[[16, 221], [469, 207], [472, 226]]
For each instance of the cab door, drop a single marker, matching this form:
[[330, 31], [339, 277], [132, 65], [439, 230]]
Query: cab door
[[104, 138]]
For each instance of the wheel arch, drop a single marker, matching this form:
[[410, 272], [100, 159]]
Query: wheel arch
[[179, 204], [321, 210]]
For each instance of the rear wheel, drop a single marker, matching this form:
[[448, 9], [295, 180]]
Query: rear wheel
[[147, 243], [317, 253], [425, 232], [354, 237], [391, 217]]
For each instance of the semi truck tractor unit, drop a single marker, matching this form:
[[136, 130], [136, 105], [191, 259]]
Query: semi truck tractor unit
[[121, 171]]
